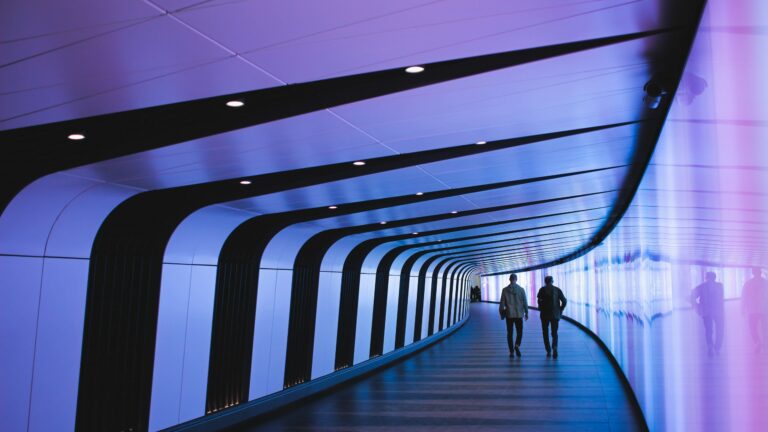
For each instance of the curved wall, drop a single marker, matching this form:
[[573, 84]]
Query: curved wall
[[44, 265], [701, 208]]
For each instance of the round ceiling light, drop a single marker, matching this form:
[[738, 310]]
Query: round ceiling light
[[245, 182], [419, 193], [383, 223], [481, 142], [414, 69], [454, 212], [235, 103], [333, 207], [76, 137], [358, 163]]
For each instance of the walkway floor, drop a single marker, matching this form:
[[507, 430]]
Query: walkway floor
[[468, 382]]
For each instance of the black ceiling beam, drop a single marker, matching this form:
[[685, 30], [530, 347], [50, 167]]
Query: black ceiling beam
[[35, 151]]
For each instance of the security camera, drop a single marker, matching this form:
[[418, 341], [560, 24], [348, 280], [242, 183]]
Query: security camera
[[654, 92]]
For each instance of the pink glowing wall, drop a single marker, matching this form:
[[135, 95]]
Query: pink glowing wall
[[701, 207]]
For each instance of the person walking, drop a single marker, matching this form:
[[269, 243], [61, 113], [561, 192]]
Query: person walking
[[707, 298], [753, 305], [551, 303], [513, 307]]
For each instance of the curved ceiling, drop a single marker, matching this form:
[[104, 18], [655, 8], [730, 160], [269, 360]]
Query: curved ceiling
[[553, 90]]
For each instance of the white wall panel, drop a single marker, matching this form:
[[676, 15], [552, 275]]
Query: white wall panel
[[262, 334], [338, 252], [59, 345], [78, 223], [440, 287], [19, 302], [425, 316], [326, 324], [390, 323], [364, 317], [169, 346], [197, 348], [372, 260], [27, 220], [281, 251], [410, 317], [279, 344], [200, 236]]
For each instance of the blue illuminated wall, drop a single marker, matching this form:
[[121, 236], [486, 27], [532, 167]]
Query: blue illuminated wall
[[701, 207], [44, 265]]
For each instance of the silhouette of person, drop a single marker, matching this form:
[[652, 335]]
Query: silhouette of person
[[475, 293], [753, 298], [551, 305], [513, 307], [707, 298]]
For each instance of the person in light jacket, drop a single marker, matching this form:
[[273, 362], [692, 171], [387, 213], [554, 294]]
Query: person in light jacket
[[551, 303], [513, 307]]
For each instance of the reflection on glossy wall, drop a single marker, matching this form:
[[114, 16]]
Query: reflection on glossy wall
[[696, 362]]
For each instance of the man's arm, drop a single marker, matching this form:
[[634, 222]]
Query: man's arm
[[525, 303], [695, 296], [563, 300], [502, 303]]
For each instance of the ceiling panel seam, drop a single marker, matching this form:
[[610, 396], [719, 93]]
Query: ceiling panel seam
[[210, 39]]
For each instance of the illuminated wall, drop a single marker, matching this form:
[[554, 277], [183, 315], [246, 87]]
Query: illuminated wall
[[701, 207]]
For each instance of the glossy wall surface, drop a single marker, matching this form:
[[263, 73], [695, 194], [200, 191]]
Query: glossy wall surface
[[701, 207]]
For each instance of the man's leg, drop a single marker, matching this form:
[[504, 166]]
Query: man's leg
[[754, 329], [719, 329], [708, 324], [509, 336], [544, 332], [555, 326], [519, 337], [519, 328]]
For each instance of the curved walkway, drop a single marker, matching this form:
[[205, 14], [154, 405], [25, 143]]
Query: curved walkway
[[468, 382]]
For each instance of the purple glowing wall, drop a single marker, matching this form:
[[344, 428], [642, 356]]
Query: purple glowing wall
[[701, 207]]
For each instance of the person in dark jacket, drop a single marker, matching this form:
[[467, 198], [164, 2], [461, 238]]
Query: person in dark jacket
[[551, 305]]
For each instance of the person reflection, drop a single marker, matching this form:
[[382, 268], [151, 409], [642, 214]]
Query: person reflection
[[753, 303], [707, 299]]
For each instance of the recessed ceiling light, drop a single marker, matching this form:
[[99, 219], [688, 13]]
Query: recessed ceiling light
[[454, 212], [358, 163], [415, 233], [332, 207], [245, 182], [383, 222], [76, 137], [235, 103], [481, 142], [419, 193], [414, 69]]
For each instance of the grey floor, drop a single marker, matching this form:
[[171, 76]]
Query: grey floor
[[468, 382]]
